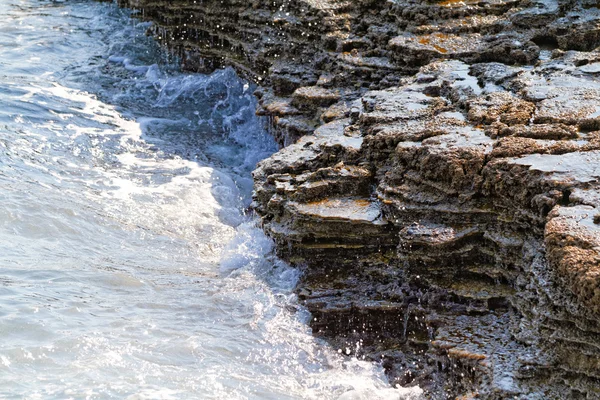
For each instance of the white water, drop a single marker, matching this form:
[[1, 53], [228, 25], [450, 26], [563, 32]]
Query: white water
[[128, 267]]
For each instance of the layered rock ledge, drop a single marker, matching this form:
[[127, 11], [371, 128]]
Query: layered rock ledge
[[438, 181]]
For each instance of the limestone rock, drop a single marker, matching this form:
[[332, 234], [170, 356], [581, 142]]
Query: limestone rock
[[438, 182]]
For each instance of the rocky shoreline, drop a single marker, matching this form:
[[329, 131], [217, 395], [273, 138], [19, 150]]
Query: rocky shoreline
[[438, 181]]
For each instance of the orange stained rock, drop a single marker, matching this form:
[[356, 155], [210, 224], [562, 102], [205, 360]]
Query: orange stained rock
[[362, 202], [440, 49], [335, 202], [320, 202], [454, 3], [465, 354], [436, 37]]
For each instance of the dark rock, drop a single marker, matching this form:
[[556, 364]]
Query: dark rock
[[440, 183]]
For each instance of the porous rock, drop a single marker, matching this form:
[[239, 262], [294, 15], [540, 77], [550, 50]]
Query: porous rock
[[438, 183]]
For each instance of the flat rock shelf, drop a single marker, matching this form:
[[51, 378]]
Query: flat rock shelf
[[438, 178]]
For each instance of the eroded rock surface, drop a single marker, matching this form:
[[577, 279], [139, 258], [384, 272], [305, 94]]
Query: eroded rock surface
[[465, 255], [439, 180]]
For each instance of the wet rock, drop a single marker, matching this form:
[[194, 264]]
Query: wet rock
[[468, 233], [501, 107], [314, 97], [438, 181], [573, 248], [421, 50]]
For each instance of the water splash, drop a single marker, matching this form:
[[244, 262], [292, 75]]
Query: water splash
[[129, 267]]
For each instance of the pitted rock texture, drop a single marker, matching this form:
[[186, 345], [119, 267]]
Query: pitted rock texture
[[465, 254], [438, 183], [451, 229]]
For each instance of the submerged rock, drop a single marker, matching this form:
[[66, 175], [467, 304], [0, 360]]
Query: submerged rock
[[439, 180]]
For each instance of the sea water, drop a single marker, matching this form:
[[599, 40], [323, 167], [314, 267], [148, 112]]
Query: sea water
[[129, 264]]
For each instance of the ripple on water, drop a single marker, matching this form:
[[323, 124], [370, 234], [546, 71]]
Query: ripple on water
[[129, 267]]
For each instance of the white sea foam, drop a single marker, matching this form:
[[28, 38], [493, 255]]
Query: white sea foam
[[129, 266]]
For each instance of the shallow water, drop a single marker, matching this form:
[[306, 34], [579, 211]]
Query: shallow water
[[128, 266]]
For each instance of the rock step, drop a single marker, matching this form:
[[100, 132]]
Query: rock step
[[349, 210]]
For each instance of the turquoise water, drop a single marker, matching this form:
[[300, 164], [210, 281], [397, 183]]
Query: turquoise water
[[129, 267]]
